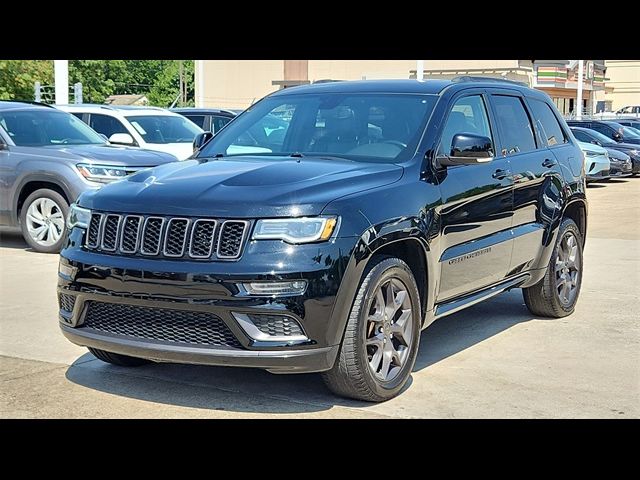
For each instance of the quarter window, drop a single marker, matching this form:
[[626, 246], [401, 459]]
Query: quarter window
[[197, 119], [219, 122], [516, 132], [468, 115], [547, 123], [106, 125]]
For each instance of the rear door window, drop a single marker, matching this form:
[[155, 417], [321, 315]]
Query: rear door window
[[516, 132]]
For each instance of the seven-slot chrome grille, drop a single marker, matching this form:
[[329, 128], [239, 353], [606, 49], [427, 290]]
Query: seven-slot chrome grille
[[169, 237]]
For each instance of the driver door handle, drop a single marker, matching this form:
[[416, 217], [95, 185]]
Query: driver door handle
[[501, 174], [548, 163]]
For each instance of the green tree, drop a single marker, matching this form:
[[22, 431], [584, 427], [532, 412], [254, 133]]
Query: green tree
[[167, 84], [158, 79], [17, 77]]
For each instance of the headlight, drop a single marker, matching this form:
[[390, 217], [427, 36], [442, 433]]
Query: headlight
[[101, 173], [591, 154], [296, 230], [78, 217]]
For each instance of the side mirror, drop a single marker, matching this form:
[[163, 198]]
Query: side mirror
[[201, 139], [467, 149], [617, 137], [122, 139]]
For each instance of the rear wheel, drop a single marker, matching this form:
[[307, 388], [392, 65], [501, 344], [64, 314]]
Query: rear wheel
[[117, 359], [380, 342], [557, 293], [42, 220]]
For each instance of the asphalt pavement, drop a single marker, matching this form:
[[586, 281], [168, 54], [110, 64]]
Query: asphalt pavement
[[493, 360]]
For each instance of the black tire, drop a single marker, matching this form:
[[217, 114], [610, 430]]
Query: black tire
[[543, 299], [61, 202], [351, 375], [117, 359]]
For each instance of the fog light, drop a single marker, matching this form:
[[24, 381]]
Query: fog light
[[66, 271], [270, 327], [296, 287]]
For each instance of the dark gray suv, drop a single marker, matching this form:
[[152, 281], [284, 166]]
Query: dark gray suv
[[48, 158]]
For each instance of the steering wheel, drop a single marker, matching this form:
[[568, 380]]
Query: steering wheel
[[396, 143]]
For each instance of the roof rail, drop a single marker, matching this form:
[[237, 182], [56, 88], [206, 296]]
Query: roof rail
[[468, 78], [29, 102]]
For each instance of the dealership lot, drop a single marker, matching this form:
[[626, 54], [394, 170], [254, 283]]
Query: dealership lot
[[492, 360]]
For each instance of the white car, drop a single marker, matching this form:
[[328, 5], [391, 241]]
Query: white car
[[596, 161], [145, 127]]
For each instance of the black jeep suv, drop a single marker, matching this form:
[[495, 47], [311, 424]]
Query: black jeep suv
[[327, 241]]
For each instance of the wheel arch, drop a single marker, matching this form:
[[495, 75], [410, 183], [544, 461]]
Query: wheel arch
[[411, 246], [35, 182], [576, 209]]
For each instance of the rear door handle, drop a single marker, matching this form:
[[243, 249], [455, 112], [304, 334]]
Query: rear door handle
[[501, 174], [548, 163]]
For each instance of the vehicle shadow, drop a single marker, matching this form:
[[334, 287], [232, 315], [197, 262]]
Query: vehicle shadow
[[257, 391], [595, 185], [12, 238]]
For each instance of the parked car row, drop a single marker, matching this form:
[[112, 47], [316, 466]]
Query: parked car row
[[619, 143], [50, 155]]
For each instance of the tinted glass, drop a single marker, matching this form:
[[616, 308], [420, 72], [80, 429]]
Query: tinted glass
[[547, 122], [36, 128], [628, 132], [592, 135], [468, 115], [366, 127], [219, 122], [515, 127], [197, 119], [164, 128], [604, 129], [582, 136], [106, 125]]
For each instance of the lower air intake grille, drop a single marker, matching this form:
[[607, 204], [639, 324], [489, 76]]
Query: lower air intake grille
[[276, 325], [159, 324], [67, 302]]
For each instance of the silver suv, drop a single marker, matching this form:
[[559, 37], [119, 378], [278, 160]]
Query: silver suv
[[48, 158]]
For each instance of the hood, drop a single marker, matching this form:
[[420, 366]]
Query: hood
[[623, 146], [246, 187], [109, 155], [617, 155], [181, 151], [590, 147]]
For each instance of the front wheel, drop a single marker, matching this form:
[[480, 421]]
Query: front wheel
[[42, 220], [381, 339], [557, 293]]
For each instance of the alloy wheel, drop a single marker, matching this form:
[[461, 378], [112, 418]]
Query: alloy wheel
[[389, 330], [45, 221], [567, 269]]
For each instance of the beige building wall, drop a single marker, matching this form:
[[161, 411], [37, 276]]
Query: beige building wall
[[238, 83], [623, 86]]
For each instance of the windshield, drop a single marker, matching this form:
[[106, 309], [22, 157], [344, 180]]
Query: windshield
[[603, 139], [366, 127], [164, 128], [38, 128], [629, 132]]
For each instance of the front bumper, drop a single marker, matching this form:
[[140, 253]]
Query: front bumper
[[211, 288], [275, 361], [620, 169]]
